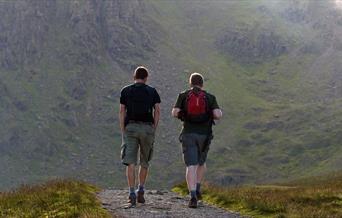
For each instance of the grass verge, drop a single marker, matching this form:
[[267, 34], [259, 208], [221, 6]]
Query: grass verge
[[305, 198], [57, 198]]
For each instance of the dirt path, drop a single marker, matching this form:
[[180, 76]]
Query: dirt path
[[159, 204]]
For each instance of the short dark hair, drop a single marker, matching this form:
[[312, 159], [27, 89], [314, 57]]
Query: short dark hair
[[196, 79], [140, 73]]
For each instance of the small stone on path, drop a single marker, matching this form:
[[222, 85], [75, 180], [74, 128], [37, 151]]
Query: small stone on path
[[159, 204]]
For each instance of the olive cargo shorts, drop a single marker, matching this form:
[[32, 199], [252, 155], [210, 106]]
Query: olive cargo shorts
[[195, 148], [137, 135]]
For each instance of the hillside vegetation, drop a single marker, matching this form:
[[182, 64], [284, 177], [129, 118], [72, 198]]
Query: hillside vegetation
[[310, 197], [275, 67], [57, 198]]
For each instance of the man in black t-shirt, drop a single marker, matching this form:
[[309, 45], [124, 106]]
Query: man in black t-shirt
[[139, 117], [197, 109]]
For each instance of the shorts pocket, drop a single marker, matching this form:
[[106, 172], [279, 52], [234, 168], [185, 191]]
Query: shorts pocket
[[184, 148], [150, 155], [123, 151], [152, 130], [129, 128], [180, 138]]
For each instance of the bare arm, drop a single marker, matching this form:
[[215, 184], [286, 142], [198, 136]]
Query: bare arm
[[175, 112], [217, 114], [156, 115], [122, 115]]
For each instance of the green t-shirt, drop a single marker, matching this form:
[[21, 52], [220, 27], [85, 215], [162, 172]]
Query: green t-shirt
[[200, 128]]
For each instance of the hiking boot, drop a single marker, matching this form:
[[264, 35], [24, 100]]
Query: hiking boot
[[132, 201], [193, 203], [199, 195], [140, 197]]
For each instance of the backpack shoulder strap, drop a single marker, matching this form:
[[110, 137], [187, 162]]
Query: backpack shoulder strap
[[207, 100], [185, 100]]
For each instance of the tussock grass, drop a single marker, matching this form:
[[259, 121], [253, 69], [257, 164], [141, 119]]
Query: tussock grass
[[57, 198], [313, 198]]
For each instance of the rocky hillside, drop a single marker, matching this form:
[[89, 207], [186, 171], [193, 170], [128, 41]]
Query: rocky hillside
[[277, 76]]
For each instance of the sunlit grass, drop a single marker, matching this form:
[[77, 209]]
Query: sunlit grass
[[314, 198], [58, 198]]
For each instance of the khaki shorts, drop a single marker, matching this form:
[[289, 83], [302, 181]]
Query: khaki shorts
[[195, 148], [138, 139]]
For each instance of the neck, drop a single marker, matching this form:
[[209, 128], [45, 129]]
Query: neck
[[198, 87], [139, 81]]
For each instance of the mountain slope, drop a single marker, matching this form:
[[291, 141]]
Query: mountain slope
[[276, 74]]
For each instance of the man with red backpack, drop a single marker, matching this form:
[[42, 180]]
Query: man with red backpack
[[197, 109]]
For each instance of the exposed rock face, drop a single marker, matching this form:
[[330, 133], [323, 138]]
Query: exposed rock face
[[71, 31], [294, 15], [58, 60], [252, 46], [63, 63]]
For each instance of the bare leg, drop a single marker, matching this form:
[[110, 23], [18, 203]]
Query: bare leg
[[200, 172], [191, 177], [130, 173], [142, 175]]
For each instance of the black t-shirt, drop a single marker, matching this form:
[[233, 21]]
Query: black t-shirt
[[139, 97], [200, 128]]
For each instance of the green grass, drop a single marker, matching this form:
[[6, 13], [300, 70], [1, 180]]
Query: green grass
[[275, 87], [310, 197], [57, 198], [41, 145]]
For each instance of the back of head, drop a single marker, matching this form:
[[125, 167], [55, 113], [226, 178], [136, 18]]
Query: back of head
[[140, 73], [196, 79]]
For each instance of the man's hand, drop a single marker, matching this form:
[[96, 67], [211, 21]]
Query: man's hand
[[217, 114], [175, 112]]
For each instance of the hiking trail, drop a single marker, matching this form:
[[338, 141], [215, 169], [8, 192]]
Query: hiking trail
[[159, 204]]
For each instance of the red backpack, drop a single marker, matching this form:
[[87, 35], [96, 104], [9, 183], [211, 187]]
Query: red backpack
[[196, 107]]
